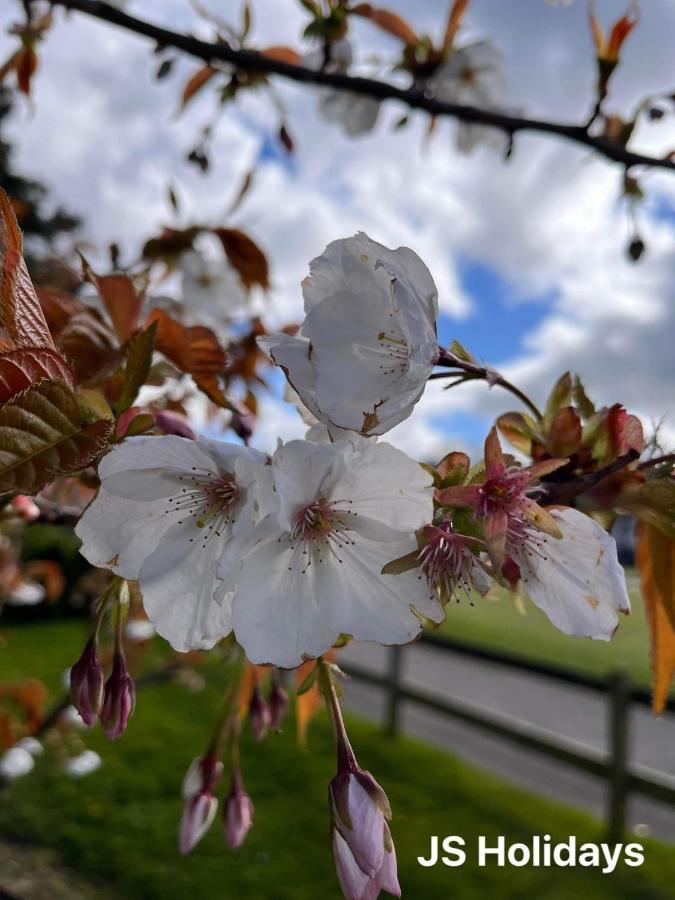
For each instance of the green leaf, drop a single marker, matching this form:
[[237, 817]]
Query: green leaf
[[307, 683], [519, 430], [561, 395], [461, 351], [43, 434], [138, 365], [581, 400], [402, 564]]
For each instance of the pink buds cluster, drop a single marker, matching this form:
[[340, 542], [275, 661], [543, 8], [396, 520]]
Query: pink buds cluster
[[265, 715]]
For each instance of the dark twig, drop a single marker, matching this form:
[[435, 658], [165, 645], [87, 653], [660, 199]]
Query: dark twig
[[657, 461], [563, 492], [476, 372], [251, 61]]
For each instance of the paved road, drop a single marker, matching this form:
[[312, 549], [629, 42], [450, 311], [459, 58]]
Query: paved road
[[571, 712]]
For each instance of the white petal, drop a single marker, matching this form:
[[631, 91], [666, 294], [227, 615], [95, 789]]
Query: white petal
[[178, 582], [391, 494], [291, 354], [277, 614], [304, 471], [580, 583], [120, 533], [360, 601]]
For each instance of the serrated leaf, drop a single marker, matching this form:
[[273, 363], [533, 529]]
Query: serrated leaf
[[42, 435], [21, 368], [195, 350], [139, 360], [245, 256], [90, 343], [655, 558], [21, 315]]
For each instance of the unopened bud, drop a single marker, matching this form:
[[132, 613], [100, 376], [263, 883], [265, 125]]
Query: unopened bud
[[87, 684], [278, 703], [259, 714], [119, 698], [200, 804], [237, 814]]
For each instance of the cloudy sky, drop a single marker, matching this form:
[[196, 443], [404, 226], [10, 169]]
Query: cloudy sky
[[528, 255]]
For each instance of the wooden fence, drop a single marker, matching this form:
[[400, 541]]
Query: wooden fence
[[612, 765]]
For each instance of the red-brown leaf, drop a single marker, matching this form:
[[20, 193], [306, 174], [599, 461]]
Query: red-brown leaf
[[282, 54], [21, 315], [122, 302], [194, 350], [196, 83], [21, 368], [245, 256], [388, 21]]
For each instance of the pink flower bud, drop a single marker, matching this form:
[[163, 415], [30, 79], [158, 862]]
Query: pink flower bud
[[237, 814], [25, 508], [198, 814], [259, 715], [364, 854], [172, 423], [119, 698], [86, 684], [200, 804], [278, 704]]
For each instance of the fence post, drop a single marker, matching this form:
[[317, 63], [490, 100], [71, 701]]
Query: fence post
[[391, 724], [619, 697]]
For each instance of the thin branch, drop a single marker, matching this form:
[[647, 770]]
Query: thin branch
[[474, 372], [657, 461], [251, 61], [563, 492]]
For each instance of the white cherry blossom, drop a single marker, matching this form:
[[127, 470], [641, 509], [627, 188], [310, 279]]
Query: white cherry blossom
[[472, 75], [368, 342], [356, 113], [312, 570], [167, 510]]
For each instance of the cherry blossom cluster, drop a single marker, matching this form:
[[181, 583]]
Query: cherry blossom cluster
[[337, 534]]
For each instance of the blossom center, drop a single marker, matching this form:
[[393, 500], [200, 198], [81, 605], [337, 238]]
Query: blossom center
[[504, 493], [210, 498], [446, 562], [319, 529], [395, 347]]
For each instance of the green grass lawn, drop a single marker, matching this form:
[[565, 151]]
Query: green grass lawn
[[498, 622], [119, 826]]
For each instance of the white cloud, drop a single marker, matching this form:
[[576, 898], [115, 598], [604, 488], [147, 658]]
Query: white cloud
[[105, 136]]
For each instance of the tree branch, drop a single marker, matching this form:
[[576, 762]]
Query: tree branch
[[251, 61], [476, 372], [565, 491]]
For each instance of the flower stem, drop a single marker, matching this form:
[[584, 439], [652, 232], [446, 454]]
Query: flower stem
[[474, 371], [345, 755]]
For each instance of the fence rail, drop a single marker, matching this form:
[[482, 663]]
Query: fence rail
[[612, 765]]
